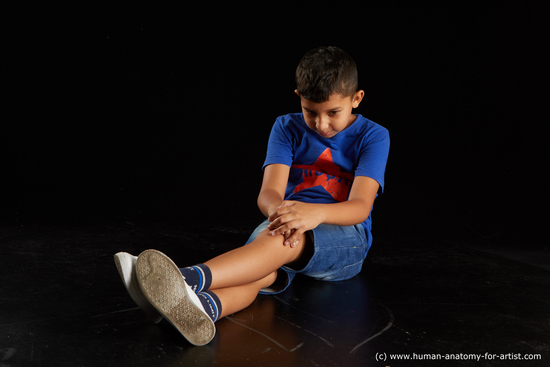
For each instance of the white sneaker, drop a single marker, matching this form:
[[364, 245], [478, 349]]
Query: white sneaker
[[162, 284], [126, 265]]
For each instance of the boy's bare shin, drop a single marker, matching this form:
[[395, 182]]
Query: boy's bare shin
[[237, 298]]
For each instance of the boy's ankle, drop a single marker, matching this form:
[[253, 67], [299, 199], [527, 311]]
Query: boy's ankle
[[198, 277]]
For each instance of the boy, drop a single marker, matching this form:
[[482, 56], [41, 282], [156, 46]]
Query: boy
[[324, 168]]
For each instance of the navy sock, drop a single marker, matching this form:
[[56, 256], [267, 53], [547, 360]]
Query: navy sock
[[211, 304], [198, 277]]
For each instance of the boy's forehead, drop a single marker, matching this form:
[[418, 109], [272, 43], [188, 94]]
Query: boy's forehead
[[334, 101]]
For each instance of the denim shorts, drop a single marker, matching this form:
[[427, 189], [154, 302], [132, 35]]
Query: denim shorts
[[339, 253]]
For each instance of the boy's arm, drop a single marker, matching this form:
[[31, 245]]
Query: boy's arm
[[303, 217], [272, 193]]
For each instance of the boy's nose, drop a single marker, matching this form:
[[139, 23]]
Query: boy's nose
[[322, 124]]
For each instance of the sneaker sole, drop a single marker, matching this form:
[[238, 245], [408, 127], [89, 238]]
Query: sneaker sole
[[123, 262], [163, 285]]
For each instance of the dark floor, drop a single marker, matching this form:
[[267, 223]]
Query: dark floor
[[62, 304]]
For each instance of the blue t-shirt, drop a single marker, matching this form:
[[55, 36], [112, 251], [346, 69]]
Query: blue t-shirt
[[323, 169]]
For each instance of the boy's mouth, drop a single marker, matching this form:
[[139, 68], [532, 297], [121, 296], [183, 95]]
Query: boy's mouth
[[326, 134]]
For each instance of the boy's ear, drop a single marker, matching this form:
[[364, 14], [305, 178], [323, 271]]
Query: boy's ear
[[357, 98], [296, 91]]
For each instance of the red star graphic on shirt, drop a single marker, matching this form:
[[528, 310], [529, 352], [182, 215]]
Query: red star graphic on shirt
[[326, 174]]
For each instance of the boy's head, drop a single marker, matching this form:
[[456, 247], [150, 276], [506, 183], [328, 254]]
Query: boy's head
[[326, 71], [327, 85]]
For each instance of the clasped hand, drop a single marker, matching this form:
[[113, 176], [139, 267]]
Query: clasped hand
[[292, 219]]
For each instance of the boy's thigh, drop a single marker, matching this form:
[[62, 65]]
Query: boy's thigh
[[331, 253], [339, 252]]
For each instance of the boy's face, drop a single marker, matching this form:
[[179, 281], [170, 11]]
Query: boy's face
[[329, 118]]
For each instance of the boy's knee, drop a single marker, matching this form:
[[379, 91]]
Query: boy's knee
[[270, 279], [286, 253], [306, 250]]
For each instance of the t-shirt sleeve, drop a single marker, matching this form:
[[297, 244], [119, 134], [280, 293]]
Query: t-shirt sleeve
[[374, 156], [279, 146]]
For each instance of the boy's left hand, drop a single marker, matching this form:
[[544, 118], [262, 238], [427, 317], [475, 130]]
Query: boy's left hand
[[296, 218]]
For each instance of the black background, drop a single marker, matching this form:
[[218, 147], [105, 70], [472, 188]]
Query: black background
[[143, 111]]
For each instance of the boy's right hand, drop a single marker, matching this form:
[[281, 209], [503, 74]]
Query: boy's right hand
[[294, 218], [286, 234]]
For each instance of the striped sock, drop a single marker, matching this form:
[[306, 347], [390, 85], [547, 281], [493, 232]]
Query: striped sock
[[198, 277], [211, 304]]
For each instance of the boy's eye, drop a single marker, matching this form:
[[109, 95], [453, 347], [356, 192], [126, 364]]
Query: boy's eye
[[330, 113]]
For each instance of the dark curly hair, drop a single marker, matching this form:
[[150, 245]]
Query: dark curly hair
[[325, 71]]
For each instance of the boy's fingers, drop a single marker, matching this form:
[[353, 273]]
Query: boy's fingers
[[287, 234], [280, 221], [279, 231], [286, 229], [279, 212], [274, 217], [273, 225], [291, 235], [294, 239]]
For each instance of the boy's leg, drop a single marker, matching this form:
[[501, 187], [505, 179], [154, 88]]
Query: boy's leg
[[164, 287], [237, 277], [234, 299], [256, 261], [162, 284]]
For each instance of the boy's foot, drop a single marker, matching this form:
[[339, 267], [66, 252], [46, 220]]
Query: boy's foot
[[162, 284], [126, 265]]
